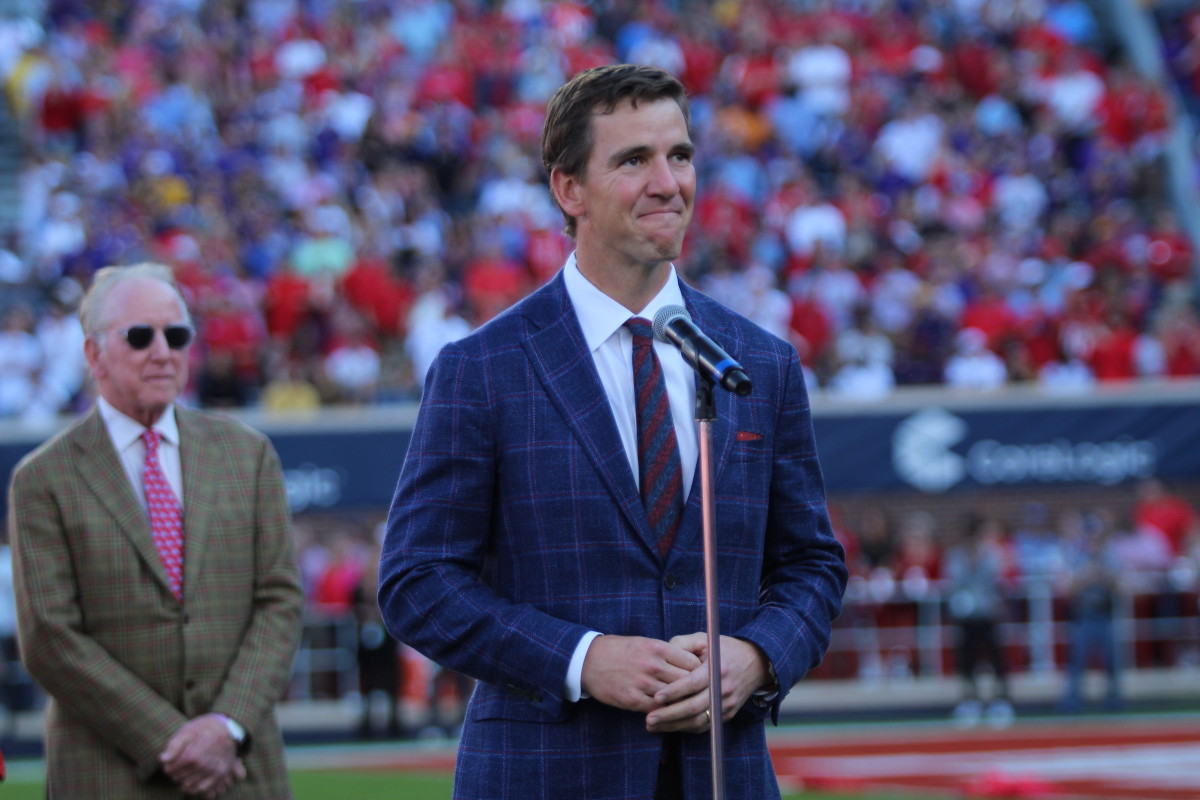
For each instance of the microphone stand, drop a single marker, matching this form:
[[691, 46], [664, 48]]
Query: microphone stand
[[706, 413]]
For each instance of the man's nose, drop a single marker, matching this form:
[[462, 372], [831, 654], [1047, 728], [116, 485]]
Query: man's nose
[[663, 180], [159, 348]]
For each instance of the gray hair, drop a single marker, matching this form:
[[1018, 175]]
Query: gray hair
[[92, 310]]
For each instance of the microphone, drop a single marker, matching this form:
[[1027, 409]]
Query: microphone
[[673, 324]]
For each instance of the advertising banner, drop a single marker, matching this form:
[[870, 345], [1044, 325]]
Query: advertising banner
[[930, 449]]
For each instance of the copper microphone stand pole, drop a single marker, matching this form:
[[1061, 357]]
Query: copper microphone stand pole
[[705, 414]]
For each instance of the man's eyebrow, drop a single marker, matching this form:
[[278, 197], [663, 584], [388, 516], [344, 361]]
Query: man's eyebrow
[[621, 156]]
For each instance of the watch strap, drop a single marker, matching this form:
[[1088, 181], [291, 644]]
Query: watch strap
[[236, 732]]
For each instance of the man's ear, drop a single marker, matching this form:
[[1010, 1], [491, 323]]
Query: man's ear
[[91, 351], [568, 192]]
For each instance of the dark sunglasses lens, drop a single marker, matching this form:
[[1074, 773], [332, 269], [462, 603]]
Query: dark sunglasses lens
[[178, 336], [139, 336]]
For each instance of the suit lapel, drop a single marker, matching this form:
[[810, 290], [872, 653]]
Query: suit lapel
[[100, 467], [196, 453], [559, 357]]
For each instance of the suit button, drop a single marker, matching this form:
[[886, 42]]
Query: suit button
[[190, 684], [670, 581], [187, 618]]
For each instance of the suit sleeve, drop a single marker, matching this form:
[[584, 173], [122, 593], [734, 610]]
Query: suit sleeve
[[804, 571], [71, 666], [431, 590], [260, 673]]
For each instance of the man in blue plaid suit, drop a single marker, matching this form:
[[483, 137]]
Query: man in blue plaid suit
[[518, 549]]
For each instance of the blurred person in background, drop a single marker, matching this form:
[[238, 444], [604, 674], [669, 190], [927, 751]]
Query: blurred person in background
[[1159, 511], [1037, 546], [64, 367], [1168, 513], [10, 665], [158, 597], [1091, 588], [973, 366], [21, 361], [333, 591], [378, 656], [352, 365], [975, 571]]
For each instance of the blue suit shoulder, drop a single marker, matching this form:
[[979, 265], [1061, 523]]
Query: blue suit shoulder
[[716, 316]]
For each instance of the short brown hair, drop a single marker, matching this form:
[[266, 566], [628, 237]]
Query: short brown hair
[[567, 133]]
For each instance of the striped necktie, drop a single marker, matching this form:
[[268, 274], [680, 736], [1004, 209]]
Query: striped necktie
[[166, 515], [661, 476]]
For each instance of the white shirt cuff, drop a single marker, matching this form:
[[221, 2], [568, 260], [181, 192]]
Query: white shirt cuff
[[575, 668]]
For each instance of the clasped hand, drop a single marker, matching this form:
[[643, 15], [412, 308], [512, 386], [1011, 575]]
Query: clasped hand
[[202, 758], [668, 681]]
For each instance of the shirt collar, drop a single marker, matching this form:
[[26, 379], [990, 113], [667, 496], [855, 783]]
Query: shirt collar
[[125, 431], [599, 315]]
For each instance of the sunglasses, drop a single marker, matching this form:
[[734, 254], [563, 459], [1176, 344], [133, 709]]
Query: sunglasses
[[139, 337]]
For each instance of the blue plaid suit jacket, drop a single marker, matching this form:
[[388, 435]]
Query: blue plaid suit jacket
[[517, 527]]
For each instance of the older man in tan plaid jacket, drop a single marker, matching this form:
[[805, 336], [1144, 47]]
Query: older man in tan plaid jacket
[[163, 675]]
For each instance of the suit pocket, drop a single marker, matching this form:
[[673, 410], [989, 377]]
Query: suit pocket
[[748, 450], [511, 703]]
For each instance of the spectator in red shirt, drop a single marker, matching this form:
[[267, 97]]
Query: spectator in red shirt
[[377, 293], [811, 330], [1112, 356], [492, 281], [286, 302], [1164, 511], [1169, 252], [1179, 335], [919, 558], [62, 112], [333, 592], [989, 312]]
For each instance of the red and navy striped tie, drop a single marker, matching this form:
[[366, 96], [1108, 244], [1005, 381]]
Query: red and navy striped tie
[[661, 477]]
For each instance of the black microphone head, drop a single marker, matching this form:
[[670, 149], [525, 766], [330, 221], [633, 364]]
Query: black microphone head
[[664, 317]]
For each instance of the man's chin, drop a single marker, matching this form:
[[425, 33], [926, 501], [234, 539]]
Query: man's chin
[[669, 251], [157, 402], [666, 247]]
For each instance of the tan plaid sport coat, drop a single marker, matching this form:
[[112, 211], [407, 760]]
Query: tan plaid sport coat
[[125, 663]]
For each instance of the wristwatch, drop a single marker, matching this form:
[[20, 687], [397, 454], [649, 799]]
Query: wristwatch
[[236, 732]]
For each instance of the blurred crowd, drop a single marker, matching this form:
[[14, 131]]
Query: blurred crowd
[[1180, 26], [965, 192], [1093, 566], [400, 692], [1098, 569]]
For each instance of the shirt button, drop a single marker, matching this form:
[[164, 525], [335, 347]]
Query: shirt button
[[670, 581]]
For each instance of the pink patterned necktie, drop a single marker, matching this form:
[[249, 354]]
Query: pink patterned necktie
[[166, 515]]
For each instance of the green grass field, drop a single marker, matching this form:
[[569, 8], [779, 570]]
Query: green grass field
[[322, 785], [374, 785]]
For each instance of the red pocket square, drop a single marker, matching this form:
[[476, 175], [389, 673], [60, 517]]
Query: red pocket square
[[748, 436]]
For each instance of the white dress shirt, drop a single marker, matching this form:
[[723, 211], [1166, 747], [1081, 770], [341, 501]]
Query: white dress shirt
[[126, 435], [611, 344]]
